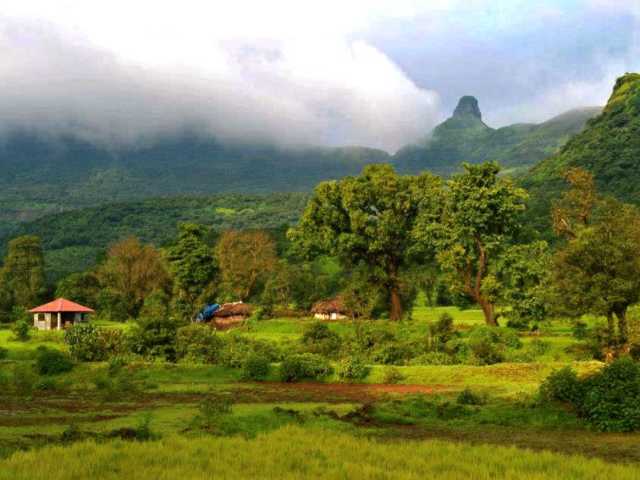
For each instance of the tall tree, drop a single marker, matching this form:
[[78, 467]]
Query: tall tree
[[480, 219], [244, 259], [575, 208], [597, 271], [22, 274], [133, 270], [192, 266], [366, 222]]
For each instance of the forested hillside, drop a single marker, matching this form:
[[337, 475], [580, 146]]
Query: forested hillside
[[74, 240], [609, 148], [466, 138], [44, 175]]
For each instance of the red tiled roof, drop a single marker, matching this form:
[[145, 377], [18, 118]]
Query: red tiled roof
[[61, 305]]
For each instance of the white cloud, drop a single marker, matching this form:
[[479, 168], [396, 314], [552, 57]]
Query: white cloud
[[292, 72]]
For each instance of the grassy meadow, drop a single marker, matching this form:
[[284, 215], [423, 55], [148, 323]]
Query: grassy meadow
[[147, 421]]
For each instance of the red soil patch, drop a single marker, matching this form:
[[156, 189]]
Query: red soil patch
[[336, 392]]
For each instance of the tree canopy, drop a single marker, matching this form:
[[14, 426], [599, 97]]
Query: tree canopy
[[366, 222]]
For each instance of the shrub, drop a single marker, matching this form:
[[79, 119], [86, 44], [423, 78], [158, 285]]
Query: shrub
[[52, 362], [485, 345], [468, 397], [255, 367], [352, 368], [154, 337], [4, 353], [21, 330], [85, 343], [563, 386], [319, 338], [434, 358], [304, 366], [634, 352], [441, 332], [393, 375], [198, 343], [211, 411], [580, 330], [612, 397]]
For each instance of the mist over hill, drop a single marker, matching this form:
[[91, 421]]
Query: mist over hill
[[464, 137]]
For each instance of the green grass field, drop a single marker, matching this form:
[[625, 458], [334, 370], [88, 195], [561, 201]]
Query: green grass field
[[72, 426], [294, 452]]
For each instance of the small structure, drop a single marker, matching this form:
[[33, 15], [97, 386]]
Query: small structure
[[334, 309], [230, 314], [59, 314]]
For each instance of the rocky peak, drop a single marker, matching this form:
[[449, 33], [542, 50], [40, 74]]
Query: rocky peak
[[468, 106]]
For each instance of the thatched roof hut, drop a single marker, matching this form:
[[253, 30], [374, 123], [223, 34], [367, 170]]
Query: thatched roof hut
[[333, 309], [233, 309], [230, 314]]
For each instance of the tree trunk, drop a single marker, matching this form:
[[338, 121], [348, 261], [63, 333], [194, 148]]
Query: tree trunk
[[623, 330], [488, 309], [396, 304], [611, 329]]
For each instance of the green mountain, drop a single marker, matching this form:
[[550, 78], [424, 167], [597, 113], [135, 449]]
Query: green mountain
[[464, 137], [75, 240], [41, 175], [609, 147]]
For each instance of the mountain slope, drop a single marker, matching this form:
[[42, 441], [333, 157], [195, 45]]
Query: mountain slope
[[609, 147], [466, 138], [74, 240], [43, 175]]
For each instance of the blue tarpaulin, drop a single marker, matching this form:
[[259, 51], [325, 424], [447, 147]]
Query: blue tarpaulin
[[207, 312]]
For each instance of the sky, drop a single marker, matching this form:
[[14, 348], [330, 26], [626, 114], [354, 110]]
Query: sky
[[380, 73]]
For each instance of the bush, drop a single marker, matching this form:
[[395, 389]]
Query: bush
[[4, 353], [393, 375], [485, 345], [563, 386], [467, 397], [304, 366], [634, 352], [52, 362], [319, 338], [612, 397], [211, 411], [85, 343], [434, 358], [21, 330], [580, 330], [256, 367], [154, 337], [441, 332], [352, 368], [198, 343]]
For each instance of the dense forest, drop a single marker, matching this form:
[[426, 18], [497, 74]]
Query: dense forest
[[75, 240]]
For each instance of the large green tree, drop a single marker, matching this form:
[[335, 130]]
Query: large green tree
[[597, 270], [480, 219], [192, 266], [366, 222], [133, 270], [22, 275], [245, 259]]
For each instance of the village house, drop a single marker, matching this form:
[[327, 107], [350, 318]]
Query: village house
[[59, 314], [231, 314], [334, 309]]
